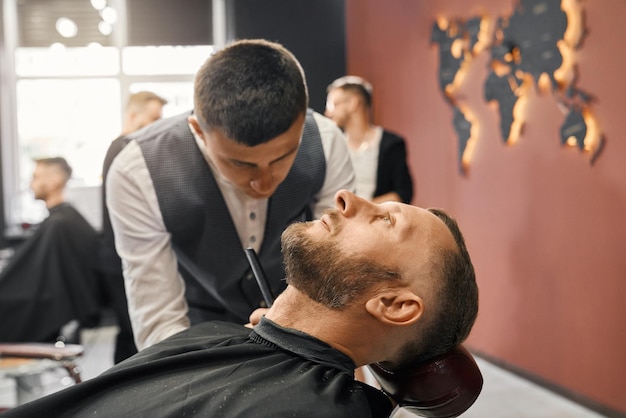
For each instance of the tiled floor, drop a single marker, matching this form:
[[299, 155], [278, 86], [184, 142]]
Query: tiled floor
[[504, 394]]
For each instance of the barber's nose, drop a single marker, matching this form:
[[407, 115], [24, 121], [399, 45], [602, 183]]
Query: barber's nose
[[349, 204], [264, 182]]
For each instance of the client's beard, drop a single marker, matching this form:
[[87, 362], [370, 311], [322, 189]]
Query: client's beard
[[324, 272]]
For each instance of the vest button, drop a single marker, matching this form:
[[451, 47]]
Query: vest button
[[262, 304], [249, 276]]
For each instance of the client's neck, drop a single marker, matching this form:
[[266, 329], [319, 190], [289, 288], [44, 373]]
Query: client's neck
[[341, 329]]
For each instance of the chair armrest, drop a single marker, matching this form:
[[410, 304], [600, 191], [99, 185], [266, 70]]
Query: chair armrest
[[41, 350]]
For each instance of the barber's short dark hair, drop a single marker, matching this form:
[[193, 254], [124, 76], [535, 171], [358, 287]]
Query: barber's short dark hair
[[59, 162], [251, 91], [356, 85]]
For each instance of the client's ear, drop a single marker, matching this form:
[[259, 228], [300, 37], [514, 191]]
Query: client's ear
[[396, 307]]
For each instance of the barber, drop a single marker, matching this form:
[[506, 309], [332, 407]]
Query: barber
[[190, 192]]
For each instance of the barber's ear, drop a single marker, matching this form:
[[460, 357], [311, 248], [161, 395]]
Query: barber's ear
[[195, 126], [398, 307]]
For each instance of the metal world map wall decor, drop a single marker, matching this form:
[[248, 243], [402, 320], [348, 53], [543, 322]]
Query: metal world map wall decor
[[534, 47]]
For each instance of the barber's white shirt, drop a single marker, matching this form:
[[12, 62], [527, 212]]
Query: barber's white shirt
[[154, 287]]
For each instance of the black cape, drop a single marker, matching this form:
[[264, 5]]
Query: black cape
[[219, 369], [51, 280]]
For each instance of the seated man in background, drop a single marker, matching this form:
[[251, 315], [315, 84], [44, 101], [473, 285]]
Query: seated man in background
[[388, 283], [52, 278]]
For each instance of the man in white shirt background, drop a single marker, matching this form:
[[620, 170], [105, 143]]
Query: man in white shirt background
[[379, 156]]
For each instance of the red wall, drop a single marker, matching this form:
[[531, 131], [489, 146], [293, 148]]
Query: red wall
[[546, 230]]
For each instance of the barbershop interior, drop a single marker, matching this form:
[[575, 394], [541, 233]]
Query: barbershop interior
[[509, 110]]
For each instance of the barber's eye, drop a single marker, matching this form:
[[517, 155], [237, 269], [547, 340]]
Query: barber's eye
[[387, 218], [241, 164]]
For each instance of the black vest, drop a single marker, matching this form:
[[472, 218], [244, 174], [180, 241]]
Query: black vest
[[211, 258]]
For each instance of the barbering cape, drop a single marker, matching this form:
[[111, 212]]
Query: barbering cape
[[51, 280]]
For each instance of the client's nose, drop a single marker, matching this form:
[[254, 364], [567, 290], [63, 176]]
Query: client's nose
[[348, 203]]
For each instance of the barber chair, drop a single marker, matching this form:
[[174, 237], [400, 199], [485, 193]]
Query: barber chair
[[443, 387], [26, 362]]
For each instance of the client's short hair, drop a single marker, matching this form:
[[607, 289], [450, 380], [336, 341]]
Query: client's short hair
[[456, 295]]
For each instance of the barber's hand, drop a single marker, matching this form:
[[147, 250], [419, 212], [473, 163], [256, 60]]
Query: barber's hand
[[255, 317]]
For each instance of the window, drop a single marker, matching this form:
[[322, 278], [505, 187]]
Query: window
[[71, 65]]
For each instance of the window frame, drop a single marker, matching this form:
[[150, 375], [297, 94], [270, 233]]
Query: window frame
[[10, 148]]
